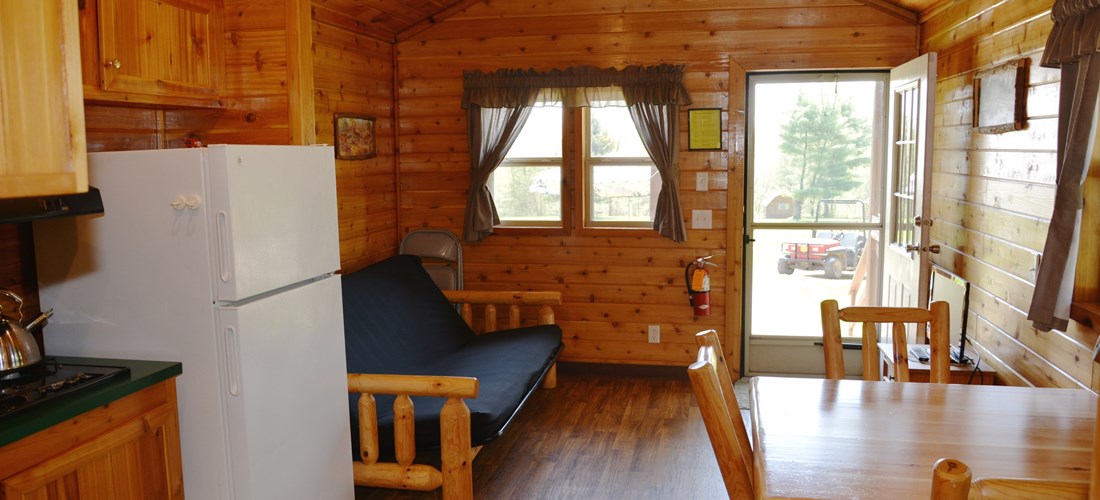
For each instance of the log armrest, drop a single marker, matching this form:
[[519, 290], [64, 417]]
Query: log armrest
[[454, 428]]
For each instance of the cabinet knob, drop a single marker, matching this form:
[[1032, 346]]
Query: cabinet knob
[[113, 63]]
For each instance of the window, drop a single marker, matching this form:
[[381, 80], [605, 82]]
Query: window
[[527, 185], [620, 181]]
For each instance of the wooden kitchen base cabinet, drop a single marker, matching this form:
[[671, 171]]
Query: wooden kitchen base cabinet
[[127, 449]]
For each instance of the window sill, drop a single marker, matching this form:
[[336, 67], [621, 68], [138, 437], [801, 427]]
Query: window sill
[[1086, 313]]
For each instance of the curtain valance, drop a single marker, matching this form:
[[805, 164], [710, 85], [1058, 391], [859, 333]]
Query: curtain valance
[[1076, 32], [579, 86]]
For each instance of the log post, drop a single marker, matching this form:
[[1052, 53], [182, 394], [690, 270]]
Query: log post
[[490, 318], [404, 430], [454, 432], [950, 479], [368, 429], [546, 315], [513, 316], [468, 314]]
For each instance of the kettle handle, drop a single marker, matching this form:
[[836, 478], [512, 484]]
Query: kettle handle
[[18, 302]]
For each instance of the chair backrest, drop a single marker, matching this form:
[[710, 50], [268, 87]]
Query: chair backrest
[[709, 338], [1003, 487], [441, 254], [935, 320], [951, 480], [726, 431]]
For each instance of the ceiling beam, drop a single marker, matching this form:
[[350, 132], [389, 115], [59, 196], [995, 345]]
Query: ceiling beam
[[892, 9], [415, 29]]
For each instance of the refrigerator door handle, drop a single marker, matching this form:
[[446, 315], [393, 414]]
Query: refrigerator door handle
[[232, 361], [224, 249]]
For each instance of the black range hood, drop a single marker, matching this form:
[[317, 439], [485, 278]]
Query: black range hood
[[34, 208]]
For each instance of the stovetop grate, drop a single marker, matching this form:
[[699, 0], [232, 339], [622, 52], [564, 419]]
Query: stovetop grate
[[48, 380]]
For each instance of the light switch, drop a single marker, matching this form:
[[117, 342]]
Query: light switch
[[701, 181], [700, 219]]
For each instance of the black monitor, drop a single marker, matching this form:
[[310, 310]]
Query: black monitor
[[954, 290]]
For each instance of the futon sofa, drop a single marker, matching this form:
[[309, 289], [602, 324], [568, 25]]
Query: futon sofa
[[420, 378]]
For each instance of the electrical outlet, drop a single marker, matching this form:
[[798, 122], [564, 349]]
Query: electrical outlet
[[654, 334], [701, 181], [700, 219]]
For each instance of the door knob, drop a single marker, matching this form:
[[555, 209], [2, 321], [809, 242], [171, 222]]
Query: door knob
[[113, 63], [919, 221], [917, 248]]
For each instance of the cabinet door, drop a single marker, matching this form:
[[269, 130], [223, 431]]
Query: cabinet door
[[161, 47], [42, 144], [134, 461]]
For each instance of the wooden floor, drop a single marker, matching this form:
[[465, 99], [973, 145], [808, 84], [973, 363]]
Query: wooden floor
[[604, 432]]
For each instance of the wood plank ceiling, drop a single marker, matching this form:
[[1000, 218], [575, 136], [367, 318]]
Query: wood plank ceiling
[[402, 19]]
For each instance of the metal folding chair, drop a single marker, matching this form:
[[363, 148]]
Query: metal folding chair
[[441, 253]]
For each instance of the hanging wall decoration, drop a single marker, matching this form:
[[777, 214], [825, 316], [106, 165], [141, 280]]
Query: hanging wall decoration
[[354, 136], [1000, 98]]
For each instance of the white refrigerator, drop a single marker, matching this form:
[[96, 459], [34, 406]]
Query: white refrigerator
[[221, 258]]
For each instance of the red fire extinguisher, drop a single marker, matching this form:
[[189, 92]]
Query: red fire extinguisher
[[698, 285]]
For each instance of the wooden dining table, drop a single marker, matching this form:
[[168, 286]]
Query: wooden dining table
[[850, 439]]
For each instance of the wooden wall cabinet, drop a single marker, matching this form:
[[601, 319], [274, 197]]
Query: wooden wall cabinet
[[128, 449], [155, 52], [42, 142]]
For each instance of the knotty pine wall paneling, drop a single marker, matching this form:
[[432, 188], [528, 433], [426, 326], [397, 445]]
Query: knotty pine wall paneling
[[993, 193], [616, 283], [262, 97], [353, 73]]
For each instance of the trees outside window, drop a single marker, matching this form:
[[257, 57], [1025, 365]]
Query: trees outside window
[[822, 144]]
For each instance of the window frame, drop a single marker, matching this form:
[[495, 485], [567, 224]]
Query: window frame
[[589, 163], [563, 163], [574, 178]]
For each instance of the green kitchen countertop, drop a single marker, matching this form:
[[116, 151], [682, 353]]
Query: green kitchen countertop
[[43, 416]]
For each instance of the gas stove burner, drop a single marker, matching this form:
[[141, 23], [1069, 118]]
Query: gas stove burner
[[48, 380]]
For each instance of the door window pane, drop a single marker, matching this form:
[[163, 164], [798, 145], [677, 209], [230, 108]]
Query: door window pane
[[815, 182]]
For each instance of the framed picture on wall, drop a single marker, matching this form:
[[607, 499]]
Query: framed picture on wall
[[1000, 97], [704, 129], [354, 136]]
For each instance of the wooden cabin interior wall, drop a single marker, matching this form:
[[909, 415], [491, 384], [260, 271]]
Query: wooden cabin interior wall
[[351, 73], [993, 193], [616, 283]]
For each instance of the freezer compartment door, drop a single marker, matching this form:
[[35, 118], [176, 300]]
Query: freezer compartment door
[[273, 216], [285, 384]]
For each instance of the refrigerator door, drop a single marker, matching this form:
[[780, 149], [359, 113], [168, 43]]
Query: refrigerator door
[[135, 283], [285, 383], [273, 215]]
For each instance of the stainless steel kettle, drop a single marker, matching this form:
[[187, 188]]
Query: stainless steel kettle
[[18, 348]]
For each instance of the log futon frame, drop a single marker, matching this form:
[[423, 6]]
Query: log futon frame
[[407, 346]]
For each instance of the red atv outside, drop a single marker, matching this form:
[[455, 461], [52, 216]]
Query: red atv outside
[[833, 251]]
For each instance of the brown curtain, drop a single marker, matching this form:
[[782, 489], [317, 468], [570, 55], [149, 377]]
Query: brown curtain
[[655, 95], [491, 134], [654, 102], [1072, 46]]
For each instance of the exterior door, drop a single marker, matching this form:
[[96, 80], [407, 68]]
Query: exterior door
[[814, 184], [908, 183]]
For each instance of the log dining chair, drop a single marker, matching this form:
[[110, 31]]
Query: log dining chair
[[728, 436], [951, 480], [935, 320]]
